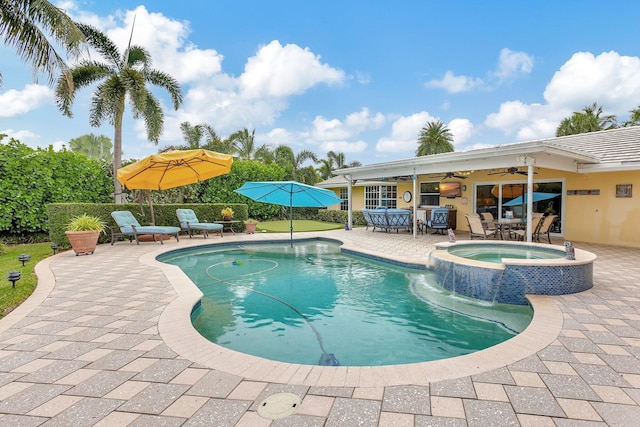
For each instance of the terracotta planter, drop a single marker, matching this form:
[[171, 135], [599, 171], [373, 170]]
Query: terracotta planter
[[251, 227], [83, 242], [227, 218]]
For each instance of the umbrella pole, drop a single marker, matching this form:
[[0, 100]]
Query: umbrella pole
[[153, 215], [291, 217]]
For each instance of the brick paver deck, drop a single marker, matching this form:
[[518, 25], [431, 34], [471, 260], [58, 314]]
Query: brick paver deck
[[105, 340]]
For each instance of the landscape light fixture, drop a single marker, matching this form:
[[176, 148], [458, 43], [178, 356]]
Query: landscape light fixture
[[24, 258], [13, 277], [54, 246]]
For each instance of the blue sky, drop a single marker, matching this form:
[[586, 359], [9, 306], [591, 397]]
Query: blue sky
[[358, 77]]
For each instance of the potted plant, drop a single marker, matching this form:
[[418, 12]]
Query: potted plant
[[250, 225], [227, 214], [83, 232]]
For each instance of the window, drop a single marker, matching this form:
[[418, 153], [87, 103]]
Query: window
[[380, 195], [344, 195], [429, 194]]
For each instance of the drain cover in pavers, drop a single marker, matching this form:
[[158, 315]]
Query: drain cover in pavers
[[279, 406]]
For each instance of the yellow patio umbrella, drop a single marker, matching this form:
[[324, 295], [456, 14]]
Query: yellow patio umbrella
[[173, 169]]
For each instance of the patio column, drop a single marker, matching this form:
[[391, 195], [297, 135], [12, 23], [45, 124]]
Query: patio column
[[415, 206], [349, 202], [530, 162]]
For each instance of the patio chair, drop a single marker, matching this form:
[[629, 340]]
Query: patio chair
[[189, 221], [129, 226], [439, 220], [367, 218], [488, 216], [545, 227], [477, 228], [520, 234]]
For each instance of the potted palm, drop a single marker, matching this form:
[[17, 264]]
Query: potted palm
[[83, 232], [250, 225]]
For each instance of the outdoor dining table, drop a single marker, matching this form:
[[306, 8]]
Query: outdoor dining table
[[504, 224]]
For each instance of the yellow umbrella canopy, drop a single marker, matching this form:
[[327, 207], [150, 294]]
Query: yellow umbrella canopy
[[174, 169]]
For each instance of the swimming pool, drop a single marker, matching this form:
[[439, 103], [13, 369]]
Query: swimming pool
[[315, 305]]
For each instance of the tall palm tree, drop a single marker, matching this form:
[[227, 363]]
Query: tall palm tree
[[244, 143], [434, 138], [590, 119], [123, 75], [193, 135], [25, 24]]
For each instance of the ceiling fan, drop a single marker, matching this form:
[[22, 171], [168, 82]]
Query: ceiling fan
[[449, 175], [511, 171]]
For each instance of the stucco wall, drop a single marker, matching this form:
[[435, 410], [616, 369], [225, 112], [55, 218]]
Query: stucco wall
[[602, 218]]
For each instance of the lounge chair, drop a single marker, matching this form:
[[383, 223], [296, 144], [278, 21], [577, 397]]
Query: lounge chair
[[189, 221], [129, 226], [477, 228], [439, 220]]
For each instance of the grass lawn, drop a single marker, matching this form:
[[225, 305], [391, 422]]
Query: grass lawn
[[10, 298], [298, 226]]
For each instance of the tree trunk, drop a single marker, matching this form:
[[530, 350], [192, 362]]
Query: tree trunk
[[117, 157]]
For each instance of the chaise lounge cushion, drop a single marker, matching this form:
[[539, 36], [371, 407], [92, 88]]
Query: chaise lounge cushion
[[129, 226], [189, 221]]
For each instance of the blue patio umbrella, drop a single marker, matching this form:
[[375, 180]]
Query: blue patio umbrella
[[537, 196], [289, 193]]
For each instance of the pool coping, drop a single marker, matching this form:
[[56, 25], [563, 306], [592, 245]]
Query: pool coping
[[176, 329]]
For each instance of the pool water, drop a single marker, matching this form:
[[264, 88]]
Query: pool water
[[495, 253], [312, 304]]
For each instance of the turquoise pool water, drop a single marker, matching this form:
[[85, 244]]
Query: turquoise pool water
[[495, 253], [312, 304]]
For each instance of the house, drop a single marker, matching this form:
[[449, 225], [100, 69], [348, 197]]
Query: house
[[588, 180]]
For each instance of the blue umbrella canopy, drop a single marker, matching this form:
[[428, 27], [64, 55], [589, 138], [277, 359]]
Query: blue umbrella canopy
[[537, 196], [289, 193]]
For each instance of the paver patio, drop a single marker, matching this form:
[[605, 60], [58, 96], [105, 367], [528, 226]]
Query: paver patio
[[103, 342]]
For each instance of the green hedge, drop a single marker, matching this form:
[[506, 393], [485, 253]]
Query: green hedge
[[341, 217], [61, 213]]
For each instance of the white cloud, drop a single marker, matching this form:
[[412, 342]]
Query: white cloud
[[14, 102], [166, 41], [344, 146], [280, 71], [511, 64], [461, 129], [611, 80], [24, 136], [455, 84], [404, 134]]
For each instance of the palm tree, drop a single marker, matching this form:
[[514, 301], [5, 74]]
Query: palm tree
[[194, 134], [94, 146], [590, 119], [434, 138], [341, 160], [25, 24], [285, 157], [122, 76], [634, 118], [244, 143]]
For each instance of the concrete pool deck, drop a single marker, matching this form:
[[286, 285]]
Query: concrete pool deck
[[103, 341]]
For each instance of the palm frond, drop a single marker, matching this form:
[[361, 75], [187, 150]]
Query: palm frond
[[102, 44], [165, 81]]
